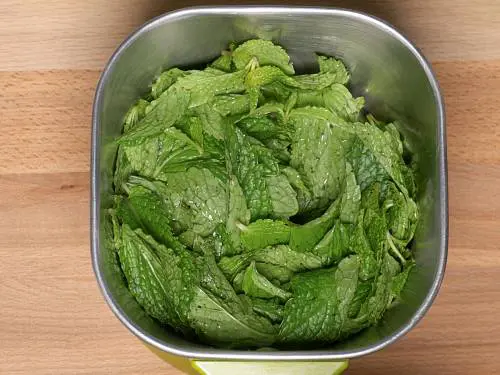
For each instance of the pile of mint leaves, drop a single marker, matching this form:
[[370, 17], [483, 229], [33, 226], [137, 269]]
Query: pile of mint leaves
[[255, 207]]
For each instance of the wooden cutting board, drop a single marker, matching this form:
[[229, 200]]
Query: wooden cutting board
[[52, 316]]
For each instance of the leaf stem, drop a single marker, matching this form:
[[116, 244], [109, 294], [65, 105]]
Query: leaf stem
[[394, 249]]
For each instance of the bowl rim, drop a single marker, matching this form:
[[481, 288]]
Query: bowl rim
[[223, 354]]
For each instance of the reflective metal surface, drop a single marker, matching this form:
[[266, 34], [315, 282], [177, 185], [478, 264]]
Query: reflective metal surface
[[386, 68]]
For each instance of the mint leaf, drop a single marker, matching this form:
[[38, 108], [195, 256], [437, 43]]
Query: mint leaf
[[216, 323], [318, 155], [371, 197], [123, 169], [263, 233], [401, 214], [145, 209], [148, 281], [365, 165], [211, 121], [399, 281], [265, 52], [351, 198], [267, 191], [275, 273], [280, 256], [320, 306], [203, 86], [374, 157], [304, 195], [238, 214], [164, 81], [304, 237], [381, 293], [195, 199], [266, 75], [336, 98], [169, 108], [123, 212], [223, 63], [185, 292], [157, 155], [232, 104], [256, 285], [360, 245], [135, 114], [266, 122], [335, 244], [284, 256], [270, 309], [274, 81], [317, 81], [331, 65], [282, 196]]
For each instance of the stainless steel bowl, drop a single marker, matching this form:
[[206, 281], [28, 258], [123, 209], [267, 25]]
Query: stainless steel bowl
[[386, 68]]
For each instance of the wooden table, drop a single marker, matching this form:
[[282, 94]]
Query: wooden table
[[52, 316]]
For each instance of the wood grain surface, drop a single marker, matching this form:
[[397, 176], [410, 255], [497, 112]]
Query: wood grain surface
[[52, 316]]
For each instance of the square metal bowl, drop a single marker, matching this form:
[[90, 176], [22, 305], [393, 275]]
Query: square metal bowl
[[386, 68]]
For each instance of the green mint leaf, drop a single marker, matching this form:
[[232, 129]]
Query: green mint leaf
[[256, 285], [146, 210], [264, 233], [266, 122], [381, 294], [335, 244], [371, 197], [284, 256], [280, 256], [274, 81], [274, 273], [317, 81], [265, 52], [123, 170], [267, 75], [270, 309], [164, 81], [320, 306], [335, 98], [169, 108], [123, 212], [401, 214], [399, 281], [148, 281], [360, 245], [156, 155], [218, 324], [318, 155], [195, 199], [374, 158], [203, 86], [223, 62], [185, 292], [351, 198], [277, 91], [232, 104], [331, 65], [267, 191], [304, 195], [282, 196], [303, 238], [135, 114], [238, 214]]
